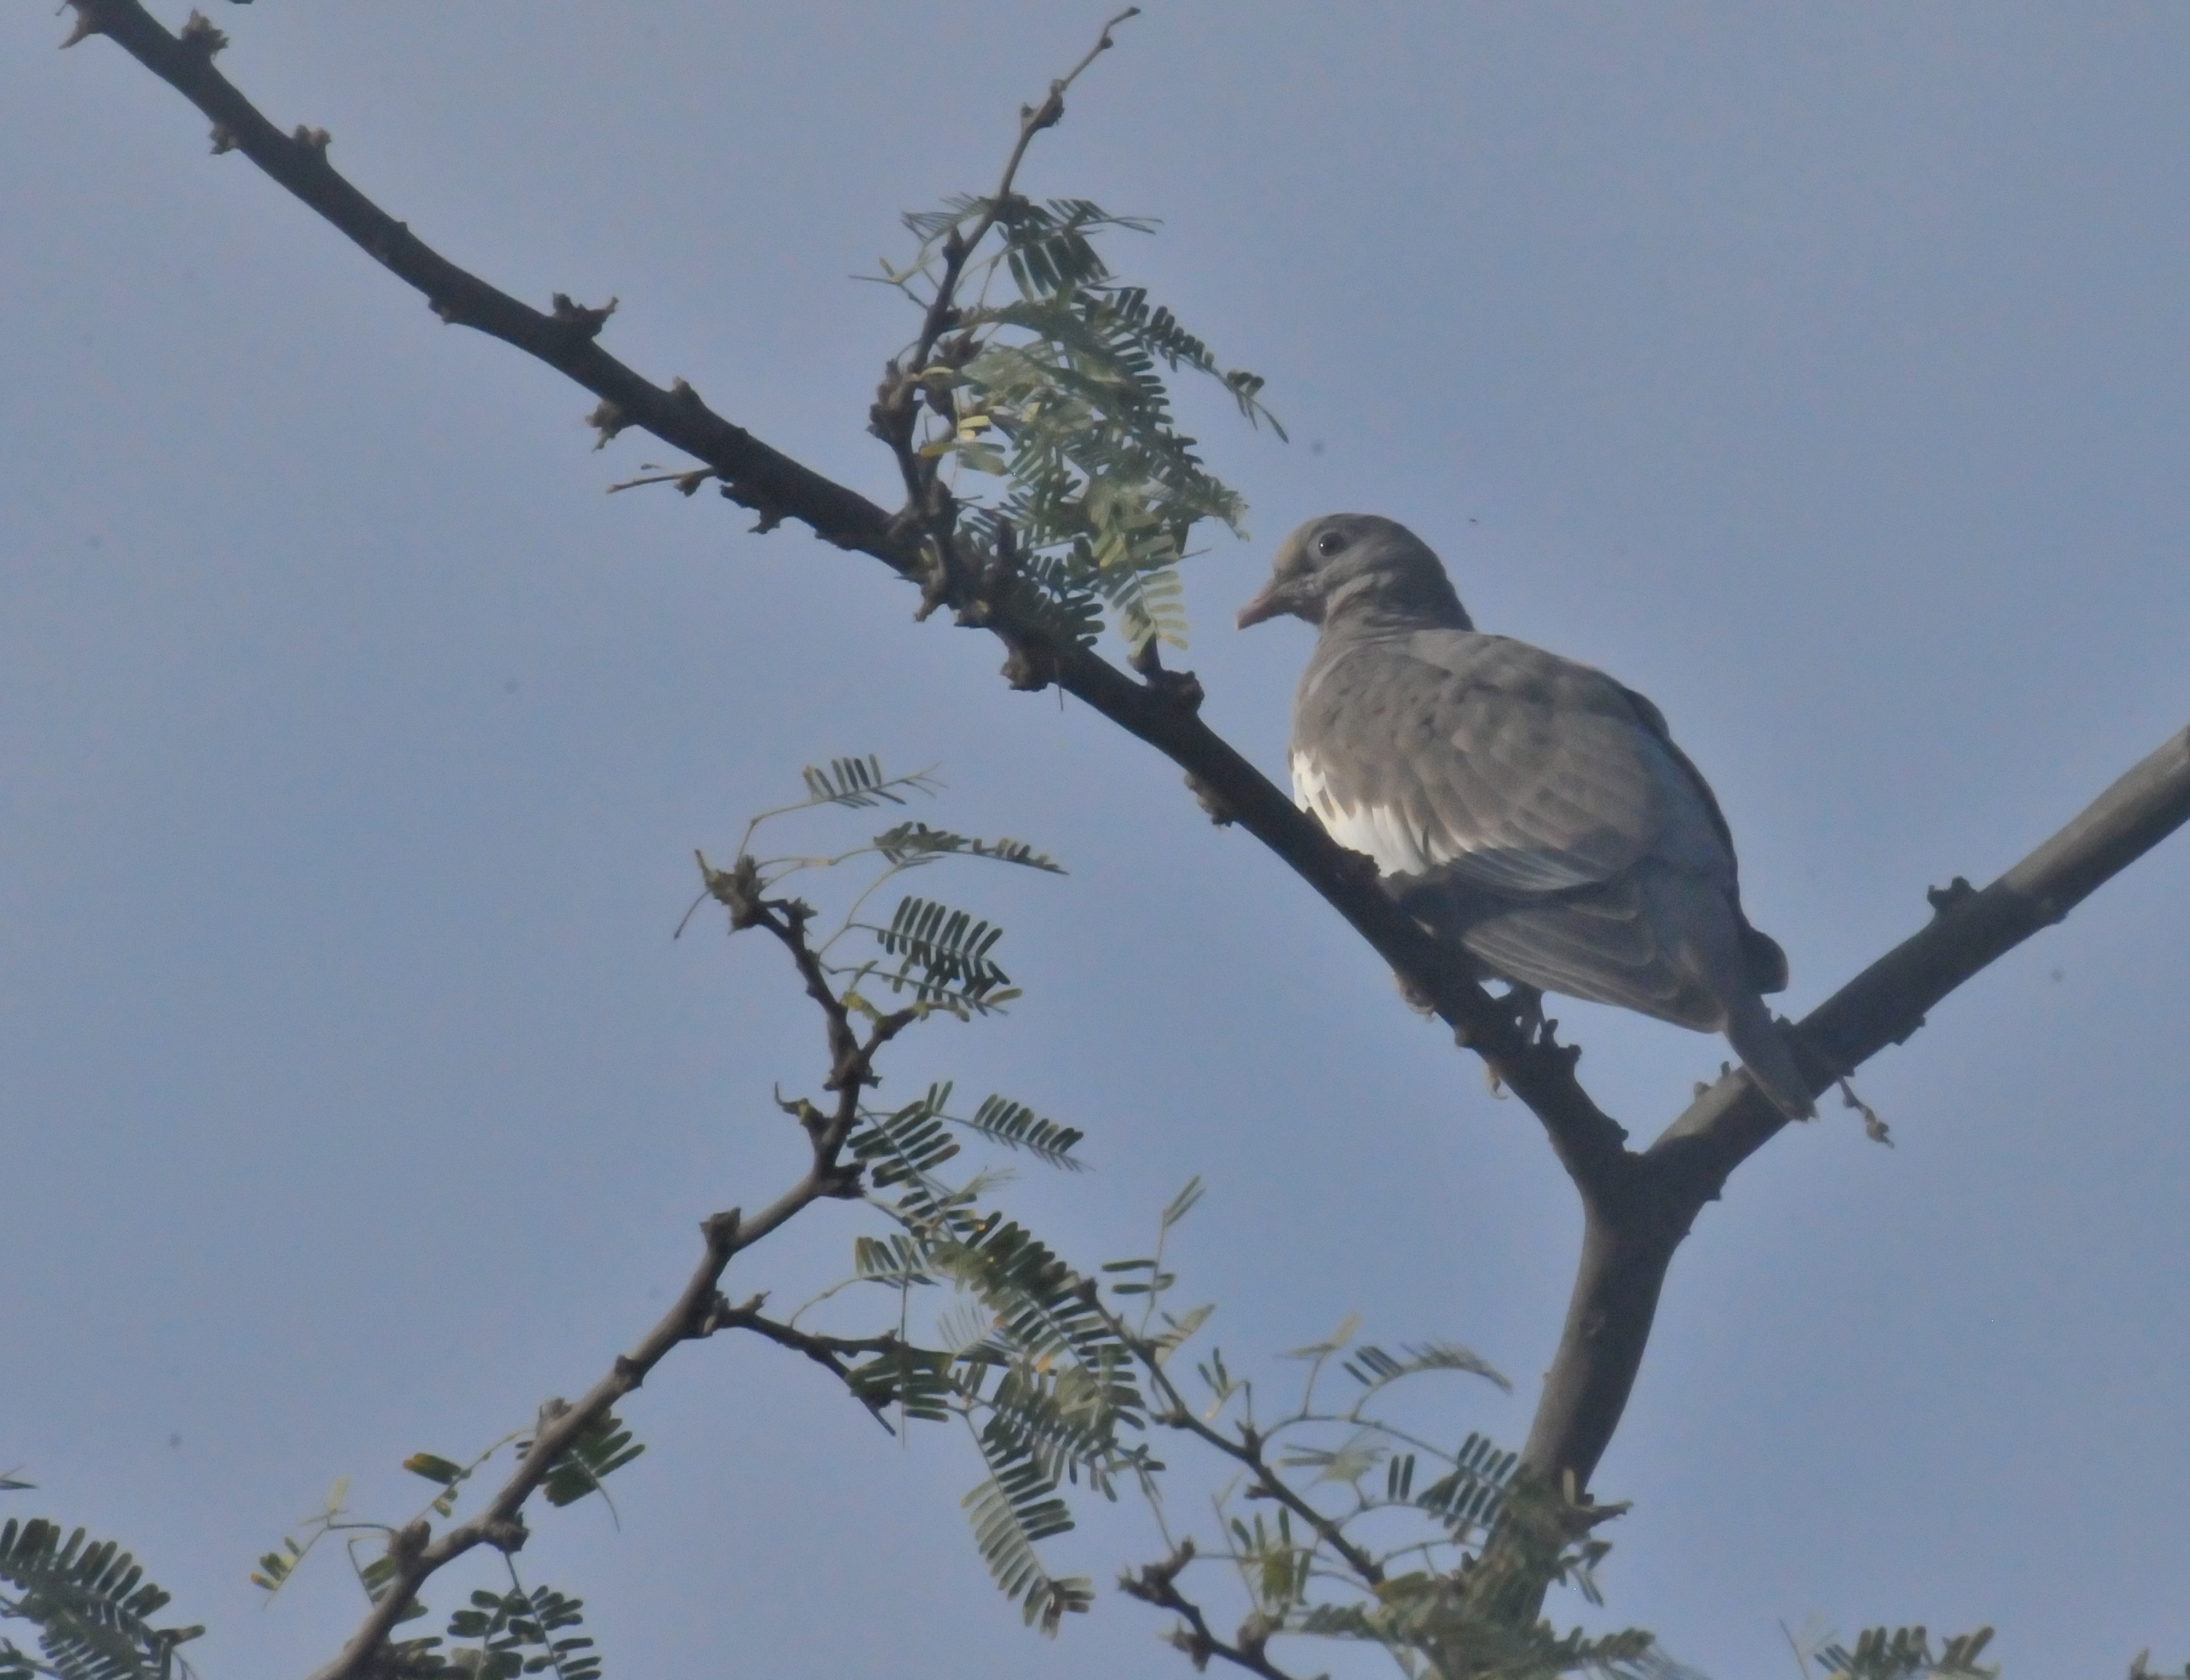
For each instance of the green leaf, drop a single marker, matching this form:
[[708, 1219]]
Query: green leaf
[[1178, 1330], [91, 1604], [1043, 1309], [1374, 1368], [1012, 1508], [857, 783], [1183, 1203], [1905, 1654], [1469, 1500], [917, 1381], [604, 1448], [1017, 1127], [434, 1469], [1347, 1463], [916, 843], [950, 950], [906, 1147], [895, 1260]]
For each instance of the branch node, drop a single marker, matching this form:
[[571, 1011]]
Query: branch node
[[737, 889], [407, 1542], [711, 1317], [1028, 668], [607, 418], [629, 1371], [721, 1229], [223, 139], [505, 1533], [1219, 808], [1181, 688], [937, 585], [87, 23], [1952, 896], [1873, 1127], [313, 141], [581, 323], [200, 38]]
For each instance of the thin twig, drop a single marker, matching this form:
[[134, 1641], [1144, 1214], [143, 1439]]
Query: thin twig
[[1157, 1584], [1246, 1450], [942, 308], [827, 1351]]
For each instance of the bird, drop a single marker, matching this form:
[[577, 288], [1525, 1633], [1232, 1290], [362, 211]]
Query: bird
[[1525, 808]]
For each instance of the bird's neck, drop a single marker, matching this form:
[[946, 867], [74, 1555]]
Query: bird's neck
[[1379, 601]]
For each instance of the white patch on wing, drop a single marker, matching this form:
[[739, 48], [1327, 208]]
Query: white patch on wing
[[1378, 830]]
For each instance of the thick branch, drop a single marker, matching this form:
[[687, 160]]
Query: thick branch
[[1632, 1232]]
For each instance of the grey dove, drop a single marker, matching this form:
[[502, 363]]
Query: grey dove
[[1525, 807]]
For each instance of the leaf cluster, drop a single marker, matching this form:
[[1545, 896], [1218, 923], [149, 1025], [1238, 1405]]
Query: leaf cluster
[[502, 1635], [1906, 1653], [1035, 1372], [1061, 393], [91, 1604]]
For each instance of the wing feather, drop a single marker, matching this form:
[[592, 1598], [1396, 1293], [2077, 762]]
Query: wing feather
[[1522, 772]]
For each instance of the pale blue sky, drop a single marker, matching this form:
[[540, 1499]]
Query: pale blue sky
[[1819, 370]]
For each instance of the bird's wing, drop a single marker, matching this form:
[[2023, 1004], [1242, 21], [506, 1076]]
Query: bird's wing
[[1512, 769]]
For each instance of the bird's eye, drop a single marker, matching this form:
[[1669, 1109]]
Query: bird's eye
[[1330, 543]]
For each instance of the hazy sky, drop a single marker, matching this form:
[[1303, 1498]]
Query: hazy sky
[[1820, 370]]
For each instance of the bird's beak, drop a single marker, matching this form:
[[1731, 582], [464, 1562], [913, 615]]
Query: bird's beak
[[1269, 605]]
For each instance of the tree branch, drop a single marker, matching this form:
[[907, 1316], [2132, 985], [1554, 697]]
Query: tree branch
[[825, 1351], [1246, 1451], [419, 1554], [1631, 1233], [1157, 1584], [760, 478]]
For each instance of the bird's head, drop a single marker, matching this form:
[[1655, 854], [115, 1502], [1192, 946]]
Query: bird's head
[[1357, 566]]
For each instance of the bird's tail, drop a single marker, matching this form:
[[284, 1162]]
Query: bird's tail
[[1764, 1051]]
